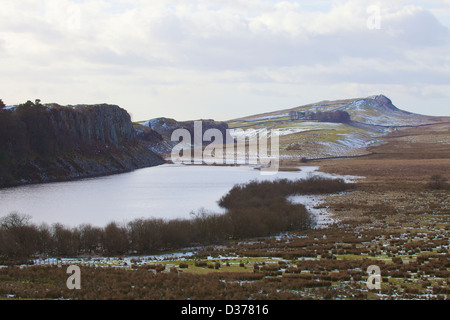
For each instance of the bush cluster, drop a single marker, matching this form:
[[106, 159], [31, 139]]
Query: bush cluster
[[254, 209]]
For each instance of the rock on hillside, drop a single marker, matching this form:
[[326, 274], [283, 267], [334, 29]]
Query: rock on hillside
[[44, 143], [379, 111], [166, 126]]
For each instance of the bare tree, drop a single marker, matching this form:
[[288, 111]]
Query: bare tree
[[18, 238], [14, 220], [66, 241], [115, 239]]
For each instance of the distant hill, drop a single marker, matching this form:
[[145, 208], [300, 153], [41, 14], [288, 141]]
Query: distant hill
[[376, 110], [166, 126], [326, 129], [302, 137], [50, 142]]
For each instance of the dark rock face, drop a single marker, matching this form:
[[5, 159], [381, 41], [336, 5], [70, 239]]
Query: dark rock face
[[107, 125], [166, 126], [45, 143], [206, 125]]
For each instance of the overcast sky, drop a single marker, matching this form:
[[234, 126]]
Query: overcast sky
[[224, 59]]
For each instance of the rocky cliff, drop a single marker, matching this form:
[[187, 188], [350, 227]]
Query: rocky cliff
[[44, 143], [166, 126]]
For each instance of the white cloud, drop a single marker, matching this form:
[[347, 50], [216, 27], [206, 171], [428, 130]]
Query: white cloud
[[143, 53]]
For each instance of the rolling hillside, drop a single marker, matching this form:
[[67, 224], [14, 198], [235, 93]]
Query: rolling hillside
[[322, 130], [371, 119]]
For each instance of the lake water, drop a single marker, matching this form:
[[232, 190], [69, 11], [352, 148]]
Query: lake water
[[167, 191]]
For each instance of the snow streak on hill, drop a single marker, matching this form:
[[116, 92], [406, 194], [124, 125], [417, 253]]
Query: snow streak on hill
[[300, 136], [370, 119]]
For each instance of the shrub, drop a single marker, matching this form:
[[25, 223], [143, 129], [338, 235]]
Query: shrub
[[160, 268], [200, 264], [256, 209], [438, 182], [397, 260]]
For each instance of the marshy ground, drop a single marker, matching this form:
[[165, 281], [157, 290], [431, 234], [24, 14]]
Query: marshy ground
[[391, 219]]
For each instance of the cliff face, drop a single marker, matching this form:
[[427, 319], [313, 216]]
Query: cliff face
[[166, 126], [44, 143], [107, 125]]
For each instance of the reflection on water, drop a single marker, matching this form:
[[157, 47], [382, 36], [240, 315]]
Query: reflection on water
[[167, 191]]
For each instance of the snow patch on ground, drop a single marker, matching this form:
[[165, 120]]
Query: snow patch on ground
[[271, 117], [145, 123], [313, 203]]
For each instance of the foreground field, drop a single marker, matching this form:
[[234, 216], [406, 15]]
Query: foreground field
[[408, 241], [393, 219]]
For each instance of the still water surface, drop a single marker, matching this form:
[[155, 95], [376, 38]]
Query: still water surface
[[166, 191]]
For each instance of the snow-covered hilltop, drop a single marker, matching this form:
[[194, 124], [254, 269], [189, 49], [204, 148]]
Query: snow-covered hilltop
[[303, 137], [326, 129]]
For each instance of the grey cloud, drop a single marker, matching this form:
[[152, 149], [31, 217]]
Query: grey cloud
[[168, 43], [421, 28], [418, 31]]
